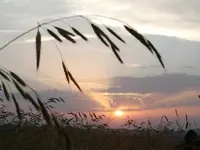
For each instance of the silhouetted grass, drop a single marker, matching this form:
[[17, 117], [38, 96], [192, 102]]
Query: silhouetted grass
[[47, 130], [85, 131]]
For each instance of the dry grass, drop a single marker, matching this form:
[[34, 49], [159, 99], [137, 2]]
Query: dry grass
[[11, 81], [86, 131]]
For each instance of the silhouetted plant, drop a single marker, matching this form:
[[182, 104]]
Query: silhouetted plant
[[8, 77], [10, 80]]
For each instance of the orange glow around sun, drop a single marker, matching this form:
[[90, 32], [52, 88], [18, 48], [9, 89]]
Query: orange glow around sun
[[118, 113]]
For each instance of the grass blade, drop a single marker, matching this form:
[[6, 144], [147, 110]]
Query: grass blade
[[24, 95], [146, 43], [17, 107], [38, 48], [69, 38], [80, 34], [103, 41], [186, 118], [66, 72], [61, 99], [74, 81], [139, 37], [4, 76], [17, 78], [157, 53], [100, 34], [5, 91], [28, 96], [116, 54], [176, 112], [54, 35], [53, 100], [166, 118], [114, 46], [44, 112], [186, 125], [60, 30], [115, 34], [65, 34]]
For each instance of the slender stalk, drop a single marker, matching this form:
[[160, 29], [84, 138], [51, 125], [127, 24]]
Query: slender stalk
[[4, 46], [111, 18], [48, 22], [55, 20]]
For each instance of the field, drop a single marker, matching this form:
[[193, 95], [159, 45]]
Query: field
[[86, 131]]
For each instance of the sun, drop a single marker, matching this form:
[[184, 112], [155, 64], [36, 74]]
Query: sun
[[118, 113]]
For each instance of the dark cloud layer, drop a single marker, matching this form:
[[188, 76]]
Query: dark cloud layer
[[166, 83], [168, 90]]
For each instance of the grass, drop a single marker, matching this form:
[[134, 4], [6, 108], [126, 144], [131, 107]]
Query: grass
[[11, 82], [86, 131], [49, 130]]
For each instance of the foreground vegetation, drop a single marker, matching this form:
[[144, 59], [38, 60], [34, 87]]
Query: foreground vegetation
[[87, 131]]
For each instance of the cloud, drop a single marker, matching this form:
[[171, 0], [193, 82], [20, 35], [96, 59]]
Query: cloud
[[167, 83], [163, 91], [139, 103], [142, 66], [176, 18], [49, 38], [24, 14], [103, 64], [9, 31]]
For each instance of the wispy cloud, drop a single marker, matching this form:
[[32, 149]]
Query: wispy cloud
[[172, 18], [10, 31], [142, 66], [175, 18], [49, 38]]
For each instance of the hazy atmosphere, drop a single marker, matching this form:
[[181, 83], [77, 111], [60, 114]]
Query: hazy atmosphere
[[140, 87]]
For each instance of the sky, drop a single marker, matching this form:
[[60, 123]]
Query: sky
[[140, 86]]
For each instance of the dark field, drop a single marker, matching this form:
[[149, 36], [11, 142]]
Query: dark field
[[88, 132]]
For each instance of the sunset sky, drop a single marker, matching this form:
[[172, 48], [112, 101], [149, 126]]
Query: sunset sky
[[140, 87]]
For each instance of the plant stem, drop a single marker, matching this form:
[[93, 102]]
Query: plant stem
[[55, 20], [48, 22]]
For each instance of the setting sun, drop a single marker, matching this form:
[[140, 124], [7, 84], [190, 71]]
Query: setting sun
[[118, 113]]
